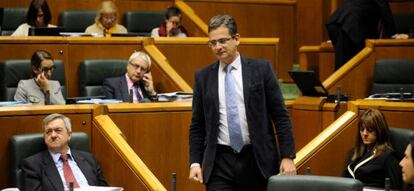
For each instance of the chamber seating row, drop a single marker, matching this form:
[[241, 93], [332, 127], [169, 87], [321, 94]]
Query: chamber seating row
[[91, 75], [140, 22]]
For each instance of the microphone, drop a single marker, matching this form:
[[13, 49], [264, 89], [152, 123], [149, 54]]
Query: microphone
[[338, 94], [70, 186], [131, 96], [387, 184], [174, 181]]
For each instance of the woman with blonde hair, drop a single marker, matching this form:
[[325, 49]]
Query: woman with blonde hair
[[106, 20], [373, 159]]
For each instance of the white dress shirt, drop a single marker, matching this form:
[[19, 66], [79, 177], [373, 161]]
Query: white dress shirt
[[80, 178], [223, 134]]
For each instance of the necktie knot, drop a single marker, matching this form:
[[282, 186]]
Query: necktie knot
[[64, 157], [228, 68]]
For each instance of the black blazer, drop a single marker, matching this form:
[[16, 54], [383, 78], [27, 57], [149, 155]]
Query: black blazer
[[264, 103], [40, 173], [373, 171], [360, 19], [117, 88]]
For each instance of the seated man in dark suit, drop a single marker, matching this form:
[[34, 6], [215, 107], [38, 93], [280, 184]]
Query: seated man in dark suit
[[57, 167], [136, 85]]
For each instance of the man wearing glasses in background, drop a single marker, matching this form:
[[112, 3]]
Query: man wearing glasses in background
[[236, 103], [136, 85]]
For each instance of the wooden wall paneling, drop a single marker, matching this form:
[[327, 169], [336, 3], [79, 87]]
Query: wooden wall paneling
[[187, 58], [259, 20], [16, 120], [114, 168], [306, 125], [160, 138], [331, 159], [310, 22]]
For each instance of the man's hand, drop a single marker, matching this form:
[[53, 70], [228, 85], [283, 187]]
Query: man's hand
[[287, 167], [149, 85], [196, 174]]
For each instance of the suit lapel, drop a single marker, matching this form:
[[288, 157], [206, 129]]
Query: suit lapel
[[123, 86], [246, 75], [213, 87], [51, 171], [84, 167]]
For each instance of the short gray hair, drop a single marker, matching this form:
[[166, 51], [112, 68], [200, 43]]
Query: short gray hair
[[55, 116], [223, 20], [141, 55]]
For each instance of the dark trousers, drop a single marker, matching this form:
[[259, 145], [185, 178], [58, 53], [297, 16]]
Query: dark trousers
[[344, 47], [236, 171]]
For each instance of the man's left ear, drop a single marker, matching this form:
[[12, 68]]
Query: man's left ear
[[237, 38]]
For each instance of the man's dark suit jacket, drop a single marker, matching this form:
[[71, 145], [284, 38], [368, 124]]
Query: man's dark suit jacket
[[360, 18], [263, 103], [117, 88], [40, 172]]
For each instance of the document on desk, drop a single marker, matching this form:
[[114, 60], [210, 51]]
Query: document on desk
[[175, 96], [99, 188]]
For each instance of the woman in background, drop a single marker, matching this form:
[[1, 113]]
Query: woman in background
[[373, 159], [171, 27], [106, 20], [40, 89], [38, 15]]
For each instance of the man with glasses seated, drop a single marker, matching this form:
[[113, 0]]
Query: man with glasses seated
[[171, 27], [106, 20], [60, 166], [40, 89], [136, 85]]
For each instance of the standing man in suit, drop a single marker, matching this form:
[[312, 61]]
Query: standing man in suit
[[136, 85], [237, 103], [357, 20], [55, 168]]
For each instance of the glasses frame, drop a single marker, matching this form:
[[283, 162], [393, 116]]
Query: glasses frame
[[136, 66], [47, 69], [221, 41]]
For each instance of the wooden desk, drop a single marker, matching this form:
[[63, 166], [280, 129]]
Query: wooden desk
[[310, 116], [158, 133], [73, 50]]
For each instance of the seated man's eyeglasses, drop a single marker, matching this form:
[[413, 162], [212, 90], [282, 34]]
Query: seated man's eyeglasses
[[136, 67], [222, 41]]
